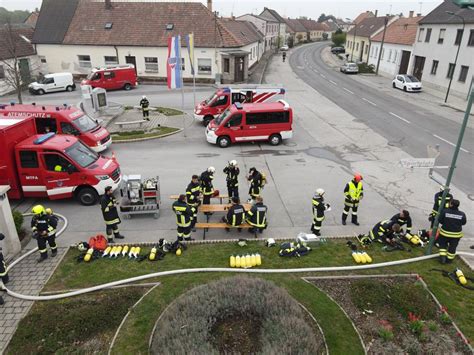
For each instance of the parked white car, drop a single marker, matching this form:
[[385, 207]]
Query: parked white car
[[53, 82], [407, 83], [349, 68], [284, 48]]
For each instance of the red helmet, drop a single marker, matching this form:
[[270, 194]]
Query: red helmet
[[357, 177]]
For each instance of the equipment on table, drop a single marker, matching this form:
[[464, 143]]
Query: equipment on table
[[140, 196]]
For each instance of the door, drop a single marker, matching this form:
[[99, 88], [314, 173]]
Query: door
[[58, 174], [404, 62], [131, 60], [235, 126], [419, 66], [221, 104], [109, 81], [31, 177], [239, 63], [25, 73], [361, 56]]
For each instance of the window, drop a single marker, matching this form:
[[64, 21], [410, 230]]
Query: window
[[450, 71], [151, 64], [434, 67], [389, 56], [68, 128], [2, 72], [109, 74], [463, 73], [110, 60], [183, 67], [420, 34], [357, 46], [226, 65], [55, 162], [428, 35], [471, 39], [84, 61], [108, 25], [458, 39], [366, 48], [395, 56], [28, 159], [42, 59], [268, 117], [235, 120], [221, 100], [383, 53], [48, 81], [376, 51], [442, 32], [204, 66]]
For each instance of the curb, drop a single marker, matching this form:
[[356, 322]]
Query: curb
[[265, 68], [112, 119], [146, 138]]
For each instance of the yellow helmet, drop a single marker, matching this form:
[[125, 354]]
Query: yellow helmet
[[38, 209], [48, 211]]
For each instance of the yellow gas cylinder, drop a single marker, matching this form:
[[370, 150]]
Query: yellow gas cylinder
[[253, 260], [119, 250], [137, 251], [248, 260], [88, 255], [367, 257], [178, 252], [258, 258], [131, 251], [363, 260], [106, 251], [232, 261], [243, 262], [152, 255], [125, 250], [460, 276], [112, 252], [356, 257], [237, 261]]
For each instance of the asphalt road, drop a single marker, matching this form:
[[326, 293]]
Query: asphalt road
[[404, 125]]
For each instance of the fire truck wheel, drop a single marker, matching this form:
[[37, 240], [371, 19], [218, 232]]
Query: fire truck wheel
[[275, 139], [223, 141], [87, 196], [127, 87]]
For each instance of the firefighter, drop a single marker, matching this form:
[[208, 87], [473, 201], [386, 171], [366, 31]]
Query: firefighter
[[184, 217], [384, 232], [108, 205], [193, 194], [232, 178], [403, 218], [451, 220], [145, 105], [235, 215], [256, 184], [437, 200], [44, 231], [354, 192], [207, 188], [318, 211], [257, 216], [3, 268]]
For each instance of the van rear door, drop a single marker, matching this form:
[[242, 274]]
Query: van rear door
[[30, 173]]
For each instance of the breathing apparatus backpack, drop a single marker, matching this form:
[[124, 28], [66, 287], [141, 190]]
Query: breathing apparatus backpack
[[99, 242], [292, 249], [458, 277], [264, 180]]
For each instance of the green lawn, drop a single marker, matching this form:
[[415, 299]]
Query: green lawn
[[157, 132]]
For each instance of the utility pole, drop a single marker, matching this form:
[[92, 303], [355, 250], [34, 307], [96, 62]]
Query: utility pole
[[381, 45], [457, 53], [215, 43]]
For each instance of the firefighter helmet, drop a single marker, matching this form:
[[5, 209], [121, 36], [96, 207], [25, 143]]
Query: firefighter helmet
[[357, 177], [320, 192], [38, 209], [211, 170], [233, 163]]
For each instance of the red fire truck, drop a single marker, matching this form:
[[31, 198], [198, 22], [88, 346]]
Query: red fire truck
[[62, 120], [219, 101], [51, 165]]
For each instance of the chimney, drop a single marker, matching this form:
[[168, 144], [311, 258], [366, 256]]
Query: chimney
[[411, 14], [376, 12], [209, 5], [418, 14], [108, 4]]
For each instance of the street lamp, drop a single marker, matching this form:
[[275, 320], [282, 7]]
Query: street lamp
[[353, 41], [457, 52]]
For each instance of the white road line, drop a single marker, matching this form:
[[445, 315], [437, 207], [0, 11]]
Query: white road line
[[315, 70], [370, 102], [322, 75], [450, 143], [400, 118], [333, 82], [350, 92]]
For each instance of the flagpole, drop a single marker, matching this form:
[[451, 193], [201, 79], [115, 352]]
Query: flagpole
[[194, 74], [182, 86]]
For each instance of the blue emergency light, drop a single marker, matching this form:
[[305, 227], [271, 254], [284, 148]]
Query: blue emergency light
[[43, 138], [226, 89]]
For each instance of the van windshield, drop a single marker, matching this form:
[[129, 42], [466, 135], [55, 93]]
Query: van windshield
[[85, 123], [82, 154], [223, 116], [93, 76], [211, 98]]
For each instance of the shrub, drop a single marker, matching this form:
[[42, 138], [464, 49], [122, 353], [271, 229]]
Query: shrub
[[365, 68], [338, 39], [278, 322], [444, 318], [385, 334], [432, 326], [18, 219]]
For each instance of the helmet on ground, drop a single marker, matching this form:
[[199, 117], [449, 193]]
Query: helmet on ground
[[211, 169], [38, 209], [233, 162], [357, 177], [320, 192], [270, 242], [82, 246]]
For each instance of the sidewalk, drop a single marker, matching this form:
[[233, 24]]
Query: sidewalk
[[257, 72], [156, 121], [106, 116]]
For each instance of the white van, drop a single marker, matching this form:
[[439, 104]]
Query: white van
[[53, 82]]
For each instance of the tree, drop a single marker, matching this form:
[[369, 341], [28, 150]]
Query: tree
[[322, 18], [17, 16], [338, 31], [291, 42], [299, 37], [338, 39]]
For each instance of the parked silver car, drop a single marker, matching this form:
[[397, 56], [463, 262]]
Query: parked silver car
[[349, 68]]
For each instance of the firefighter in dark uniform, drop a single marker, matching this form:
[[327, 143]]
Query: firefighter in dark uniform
[[44, 230], [207, 188], [451, 220], [403, 218], [145, 105], [235, 215], [384, 232], [193, 194], [232, 178], [257, 216], [108, 205], [437, 200], [184, 217], [354, 192], [256, 183], [318, 211], [3, 268]]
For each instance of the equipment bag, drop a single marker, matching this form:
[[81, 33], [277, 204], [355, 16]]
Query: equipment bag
[[99, 242]]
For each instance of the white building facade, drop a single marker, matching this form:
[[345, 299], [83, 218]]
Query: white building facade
[[392, 59]]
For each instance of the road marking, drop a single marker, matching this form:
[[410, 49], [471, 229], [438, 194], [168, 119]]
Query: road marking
[[400, 118], [450, 143], [350, 92], [370, 102], [333, 82], [322, 75], [315, 70]]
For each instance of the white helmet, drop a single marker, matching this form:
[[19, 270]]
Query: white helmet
[[211, 169], [233, 162], [143, 97], [320, 192], [270, 242]]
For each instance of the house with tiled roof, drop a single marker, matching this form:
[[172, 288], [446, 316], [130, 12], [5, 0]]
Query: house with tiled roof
[[362, 16], [268, 27], [440, 34], [396, 53], [271, 14], [78, 35], [314, 29], [296, 30]]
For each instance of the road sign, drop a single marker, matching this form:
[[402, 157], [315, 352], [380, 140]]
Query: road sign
[[426, 163]]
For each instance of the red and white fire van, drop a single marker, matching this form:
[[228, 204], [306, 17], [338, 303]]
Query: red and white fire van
[[62, 120], [226, 96], [270, 122], [51, 165], [112, 77]]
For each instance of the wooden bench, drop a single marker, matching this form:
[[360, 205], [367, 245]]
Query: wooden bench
[[221, 225], [221, 208], [129, 123], [220, 197]]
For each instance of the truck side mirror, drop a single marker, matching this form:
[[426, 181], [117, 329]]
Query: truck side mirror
[[70, 169]]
